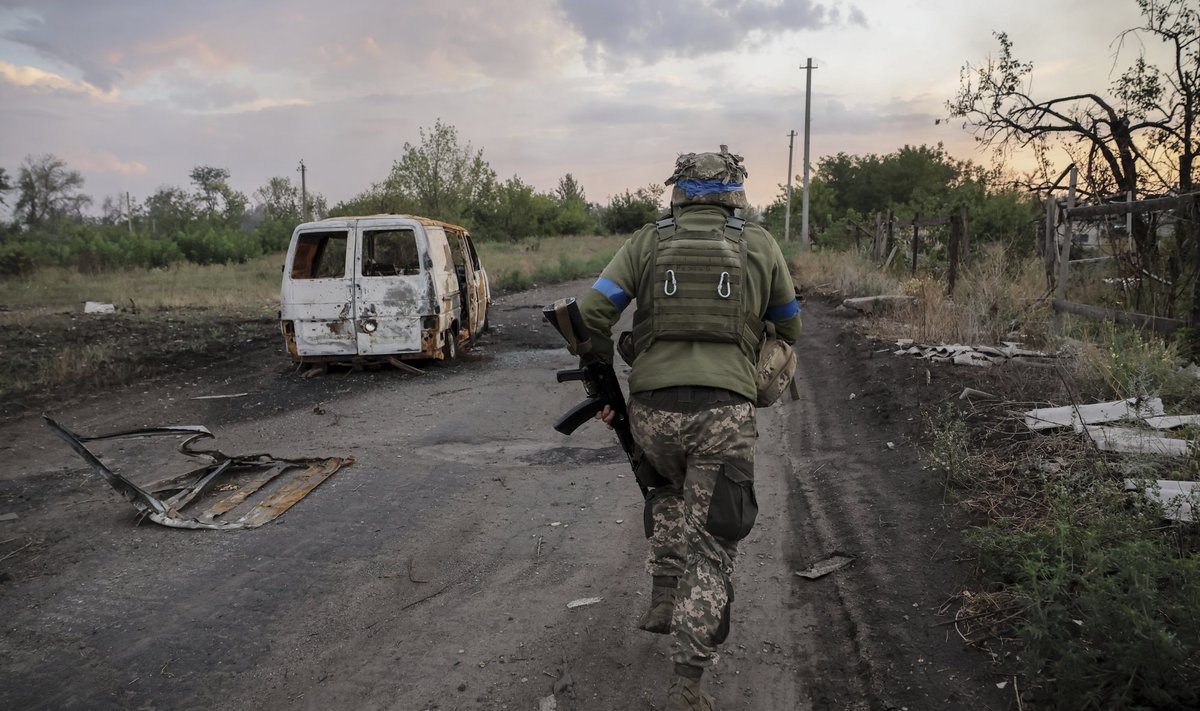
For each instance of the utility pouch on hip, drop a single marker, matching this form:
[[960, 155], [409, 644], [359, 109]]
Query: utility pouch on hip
[[733, 507], [774, 372]]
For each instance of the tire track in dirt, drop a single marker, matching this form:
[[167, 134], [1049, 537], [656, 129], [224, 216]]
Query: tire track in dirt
[[858, 487]]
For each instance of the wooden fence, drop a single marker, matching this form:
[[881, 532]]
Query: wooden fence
[[1057, 251], [884, 240]]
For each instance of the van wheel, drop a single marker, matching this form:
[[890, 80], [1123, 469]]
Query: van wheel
[[450, 348]]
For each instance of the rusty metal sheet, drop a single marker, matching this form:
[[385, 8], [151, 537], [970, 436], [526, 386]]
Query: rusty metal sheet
[[244, 475]]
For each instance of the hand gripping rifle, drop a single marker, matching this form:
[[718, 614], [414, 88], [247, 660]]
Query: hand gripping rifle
[[602, 387]]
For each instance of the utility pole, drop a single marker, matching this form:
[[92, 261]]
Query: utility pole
[[787, 215], [303, 190], [129, 211], [805, 244]]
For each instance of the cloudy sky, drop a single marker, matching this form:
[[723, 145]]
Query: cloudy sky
[[134, 93]]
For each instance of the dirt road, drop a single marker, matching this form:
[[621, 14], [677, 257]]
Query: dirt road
[[435, 572]]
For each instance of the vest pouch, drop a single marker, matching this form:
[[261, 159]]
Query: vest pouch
[[733, 508], [774, 372]]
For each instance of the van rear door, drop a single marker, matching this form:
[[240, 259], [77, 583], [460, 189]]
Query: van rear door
[[317, 295], [392, 285]]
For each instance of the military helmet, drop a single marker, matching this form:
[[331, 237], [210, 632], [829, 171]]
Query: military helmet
[[709, 179]]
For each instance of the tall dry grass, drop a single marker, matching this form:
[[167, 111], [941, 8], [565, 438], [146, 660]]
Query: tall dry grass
[[993, 300], [846, 274], [252, 286]]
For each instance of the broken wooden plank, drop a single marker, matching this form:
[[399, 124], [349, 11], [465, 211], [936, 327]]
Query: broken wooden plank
[[868, 304]]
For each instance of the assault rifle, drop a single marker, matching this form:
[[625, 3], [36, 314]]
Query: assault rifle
[[601, 384]]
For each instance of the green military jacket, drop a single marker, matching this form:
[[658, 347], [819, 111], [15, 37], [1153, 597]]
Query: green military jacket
[[666, 363]]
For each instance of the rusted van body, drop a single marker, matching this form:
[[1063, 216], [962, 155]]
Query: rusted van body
[[380, 287]]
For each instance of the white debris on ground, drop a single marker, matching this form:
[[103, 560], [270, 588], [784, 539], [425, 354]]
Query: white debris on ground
[[1075, 416], [1128, 440], [980, 356], [1178, 499], [98, 307]]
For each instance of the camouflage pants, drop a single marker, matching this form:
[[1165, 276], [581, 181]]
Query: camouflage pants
[[708, 458]]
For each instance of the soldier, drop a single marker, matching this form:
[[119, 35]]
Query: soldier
[[705, 283]]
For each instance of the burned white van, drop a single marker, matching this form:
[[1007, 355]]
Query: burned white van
[[379, 288]]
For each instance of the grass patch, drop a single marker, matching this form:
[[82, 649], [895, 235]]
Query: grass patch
[[1097, 596], [252, 285], [513, 266], [847, 274], [97, 352]]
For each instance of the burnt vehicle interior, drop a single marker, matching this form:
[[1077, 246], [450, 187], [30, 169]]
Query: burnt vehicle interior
[[390, 253], [320, 255]]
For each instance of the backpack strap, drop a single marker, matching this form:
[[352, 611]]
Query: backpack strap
[[734, 226], [665, 227]]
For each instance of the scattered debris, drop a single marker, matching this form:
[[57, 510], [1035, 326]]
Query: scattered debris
[[1179, 499], [1170, 422], [218, 397], [1131, 441], [834, 562], [9, 517], [547, 703], [98, 307], [174, 501], [972, 393], [1096, 413], [1118, 439], [397, 363], [979, 356], [583, 602]]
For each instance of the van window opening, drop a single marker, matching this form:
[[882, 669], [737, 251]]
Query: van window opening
[[390, 253], [320, 255]]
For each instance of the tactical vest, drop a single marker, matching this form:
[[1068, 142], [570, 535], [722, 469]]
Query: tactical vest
[[697, 289]]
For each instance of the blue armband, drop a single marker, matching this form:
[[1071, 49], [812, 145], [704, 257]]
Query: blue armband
[[615, 294], [783, 312]]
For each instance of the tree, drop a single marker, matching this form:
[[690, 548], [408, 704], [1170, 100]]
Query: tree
[[171, 210], [1141, 138], [48, 191], [5, 185], [569, 191], [574, 216], [443, 179], [280, 199], [210, 181], [221, 202], [628, 211]]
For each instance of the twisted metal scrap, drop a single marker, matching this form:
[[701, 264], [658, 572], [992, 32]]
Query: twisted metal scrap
[[260, 469]]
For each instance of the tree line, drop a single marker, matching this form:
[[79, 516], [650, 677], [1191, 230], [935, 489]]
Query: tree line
[[210, 222]]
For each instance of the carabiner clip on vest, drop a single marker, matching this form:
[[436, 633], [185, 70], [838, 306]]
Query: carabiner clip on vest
[[724, 287], [670, 286]]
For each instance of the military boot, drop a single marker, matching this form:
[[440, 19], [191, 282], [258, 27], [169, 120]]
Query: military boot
[[685, 693], [662, 606]]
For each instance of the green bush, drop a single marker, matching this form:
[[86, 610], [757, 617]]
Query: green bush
[[16, 259], [218, 245], [1112, 612]]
